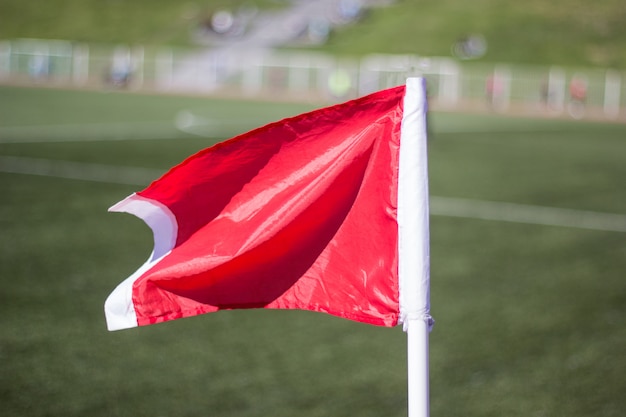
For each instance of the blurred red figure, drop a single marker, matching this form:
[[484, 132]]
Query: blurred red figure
[[493, 89], [578, 89], [578, 97]]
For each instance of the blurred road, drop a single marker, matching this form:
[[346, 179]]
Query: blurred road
[[278, 27], [303, 21]]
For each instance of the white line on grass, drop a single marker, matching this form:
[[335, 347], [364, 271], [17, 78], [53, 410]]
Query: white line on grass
[[187, 122], [78, 170], [88, 132], [494, 128], [529, 214], [439, 206]]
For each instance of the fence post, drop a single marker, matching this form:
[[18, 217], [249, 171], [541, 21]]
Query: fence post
[[80, 64], [137, 59], [504, 75], [298, 77], [612, 88], [449, 83], [164, 69], [5, 59], [556, 88], [369, 75], [252, 74]]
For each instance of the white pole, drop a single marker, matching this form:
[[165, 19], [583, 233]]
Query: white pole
[[449, 82], [80, 68], [5, 59], [556, 87], [164, 71], [137, 59], [612, 88], [417, 364], [413, 244]]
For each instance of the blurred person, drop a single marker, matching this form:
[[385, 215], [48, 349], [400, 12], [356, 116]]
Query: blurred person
[[120, 71], [578, 96], [493, 90], [39, 66]]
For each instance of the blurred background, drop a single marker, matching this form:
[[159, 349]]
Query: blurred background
[[562, 58], [527, 165]]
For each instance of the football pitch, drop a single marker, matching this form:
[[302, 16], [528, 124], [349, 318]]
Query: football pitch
[[528, 273]]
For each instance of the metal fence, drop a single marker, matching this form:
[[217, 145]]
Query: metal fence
[[306, 75]]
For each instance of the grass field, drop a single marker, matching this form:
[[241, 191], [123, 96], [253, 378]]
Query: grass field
[[140, 21], [558, 32], [530, 317]]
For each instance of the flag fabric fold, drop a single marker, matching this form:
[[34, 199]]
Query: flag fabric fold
[[315, 212]]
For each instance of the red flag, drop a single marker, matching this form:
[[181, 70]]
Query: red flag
[[298, 214]]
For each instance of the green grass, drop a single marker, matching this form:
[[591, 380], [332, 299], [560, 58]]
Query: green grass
[[529, 318], [138, 21], [548, 163], [42, 107], [560, 32]]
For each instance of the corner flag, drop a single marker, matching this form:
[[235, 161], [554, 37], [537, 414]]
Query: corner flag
[[326, 211]]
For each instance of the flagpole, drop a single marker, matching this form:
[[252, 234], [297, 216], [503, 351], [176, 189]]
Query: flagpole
[[414, 246], [417, 364]]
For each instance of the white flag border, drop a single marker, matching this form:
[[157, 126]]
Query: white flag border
[[119, 308]]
